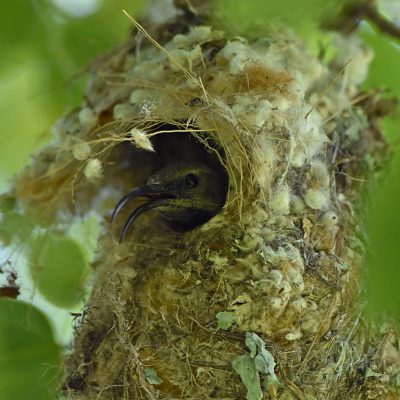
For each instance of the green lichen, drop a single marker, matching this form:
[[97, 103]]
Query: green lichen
[[249, 366], [226, 319], [152, 377]]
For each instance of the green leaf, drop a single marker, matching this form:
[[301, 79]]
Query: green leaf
[[59, 269], [29, 357], [17, 22], [383, 258], [385, 68]]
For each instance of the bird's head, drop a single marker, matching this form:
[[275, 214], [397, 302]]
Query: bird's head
[[185, 194]]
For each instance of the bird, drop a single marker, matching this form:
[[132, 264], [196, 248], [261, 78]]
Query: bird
[[185, 194]]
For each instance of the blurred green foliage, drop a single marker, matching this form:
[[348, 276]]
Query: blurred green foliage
[[14, 224], [29, 357], [383, 266], [252, 16], [59, 269], [44, 55], [385, 68], [383, 260], [384, 72]]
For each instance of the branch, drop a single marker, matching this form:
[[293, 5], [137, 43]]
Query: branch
[[385, 25]]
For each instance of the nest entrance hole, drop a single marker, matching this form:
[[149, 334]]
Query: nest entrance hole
[[173, 143]]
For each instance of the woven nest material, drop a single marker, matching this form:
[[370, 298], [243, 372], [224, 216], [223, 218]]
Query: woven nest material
[[265, 299]]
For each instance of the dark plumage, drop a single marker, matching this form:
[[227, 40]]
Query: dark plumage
[[186, 195]]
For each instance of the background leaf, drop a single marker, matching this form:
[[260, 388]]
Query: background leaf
[[383, 258], [29, 357], [383, 271], [59, 269]]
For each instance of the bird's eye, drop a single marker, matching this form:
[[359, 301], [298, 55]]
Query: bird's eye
[[191, 180]]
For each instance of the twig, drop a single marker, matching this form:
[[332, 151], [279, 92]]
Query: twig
[[370, 10]]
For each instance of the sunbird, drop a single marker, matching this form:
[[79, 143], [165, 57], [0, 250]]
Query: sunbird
[[185, 194]]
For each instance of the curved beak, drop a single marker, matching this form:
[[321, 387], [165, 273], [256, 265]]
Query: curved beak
[[158, 197]]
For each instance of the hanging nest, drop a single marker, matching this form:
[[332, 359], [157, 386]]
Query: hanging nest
[[265, 299]]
